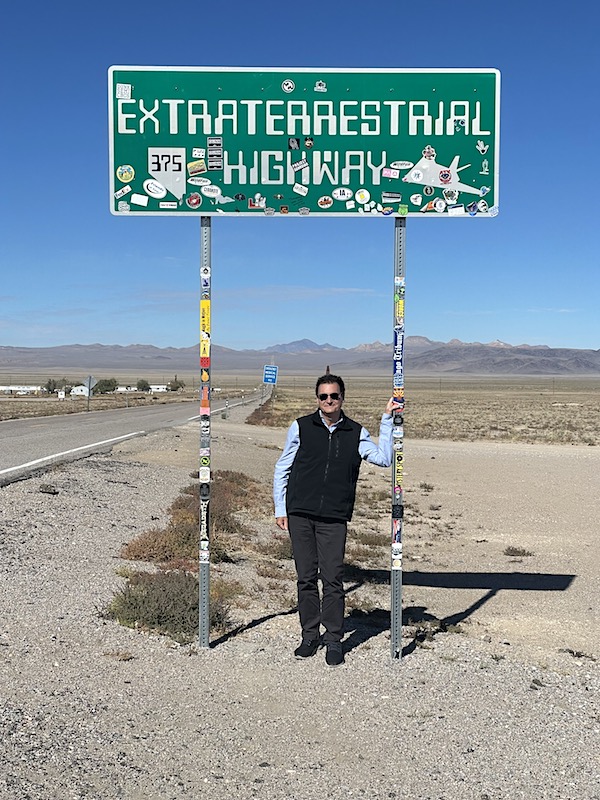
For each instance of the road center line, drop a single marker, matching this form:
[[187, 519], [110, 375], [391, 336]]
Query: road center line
[[68, 452]]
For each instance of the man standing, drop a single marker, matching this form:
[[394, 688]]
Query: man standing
[[314, 490]]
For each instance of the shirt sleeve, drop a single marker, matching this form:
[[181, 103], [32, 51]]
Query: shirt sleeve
[[380, 455], [283, 468]]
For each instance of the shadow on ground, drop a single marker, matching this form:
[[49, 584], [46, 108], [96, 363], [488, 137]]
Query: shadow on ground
[[362, 625], [365, 625]]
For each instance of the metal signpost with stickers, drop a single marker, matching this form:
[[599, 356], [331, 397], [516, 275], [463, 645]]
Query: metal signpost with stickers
[[274, 142], [204, 471]]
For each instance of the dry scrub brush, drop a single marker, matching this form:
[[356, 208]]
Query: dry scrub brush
[[166, 601]]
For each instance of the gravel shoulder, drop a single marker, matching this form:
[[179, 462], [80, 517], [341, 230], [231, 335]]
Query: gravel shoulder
[[505, 705]]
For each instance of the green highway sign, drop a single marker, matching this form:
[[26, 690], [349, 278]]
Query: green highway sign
[[280, 141]]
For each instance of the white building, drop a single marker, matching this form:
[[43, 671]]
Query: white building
[[21, 390], [80, 391], [158, 387]]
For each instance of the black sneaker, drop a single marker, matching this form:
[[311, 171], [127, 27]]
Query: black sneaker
[[334, 655], [308, 648]]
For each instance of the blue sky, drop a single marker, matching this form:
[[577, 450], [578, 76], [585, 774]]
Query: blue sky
[[72, 273]]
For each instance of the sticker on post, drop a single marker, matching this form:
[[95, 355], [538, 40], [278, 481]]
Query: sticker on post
[[300, 189]]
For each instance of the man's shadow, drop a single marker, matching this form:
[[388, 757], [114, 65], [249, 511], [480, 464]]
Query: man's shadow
[[364, 625]]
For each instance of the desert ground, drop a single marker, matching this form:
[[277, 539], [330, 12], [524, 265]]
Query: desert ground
[[496, 695]]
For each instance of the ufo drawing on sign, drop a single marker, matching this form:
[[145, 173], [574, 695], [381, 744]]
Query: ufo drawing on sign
[[427, 172]]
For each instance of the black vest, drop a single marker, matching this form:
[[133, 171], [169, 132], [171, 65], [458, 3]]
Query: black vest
[[322, 481]]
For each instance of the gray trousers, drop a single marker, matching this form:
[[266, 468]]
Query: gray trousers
[[319, 545]]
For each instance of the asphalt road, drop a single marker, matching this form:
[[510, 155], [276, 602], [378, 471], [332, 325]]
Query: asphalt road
[[28, 445]]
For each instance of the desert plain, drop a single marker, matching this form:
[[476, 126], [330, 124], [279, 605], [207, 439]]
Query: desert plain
[[495, 697]]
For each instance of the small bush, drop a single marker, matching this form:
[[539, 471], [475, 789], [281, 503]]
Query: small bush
[[179, 540], [517, 551], [163, 602], [230, 492], [168, 603]]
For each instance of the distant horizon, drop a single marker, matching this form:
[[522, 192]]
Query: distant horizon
[[497, 342]]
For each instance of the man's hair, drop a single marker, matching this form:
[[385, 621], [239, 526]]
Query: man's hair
[[330, 379]]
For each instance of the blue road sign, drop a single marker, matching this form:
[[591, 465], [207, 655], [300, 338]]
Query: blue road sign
[[270, 373]]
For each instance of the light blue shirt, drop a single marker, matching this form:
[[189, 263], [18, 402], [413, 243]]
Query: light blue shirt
[[380, 455]]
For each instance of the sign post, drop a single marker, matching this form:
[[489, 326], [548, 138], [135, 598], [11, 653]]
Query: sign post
[[204, 471], [89, 384], [295, 141], [398, 440]]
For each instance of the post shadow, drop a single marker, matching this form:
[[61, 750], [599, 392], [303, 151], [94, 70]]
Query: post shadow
[[252, 624]]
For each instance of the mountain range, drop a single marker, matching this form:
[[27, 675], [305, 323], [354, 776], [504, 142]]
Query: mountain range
[[422, 357]]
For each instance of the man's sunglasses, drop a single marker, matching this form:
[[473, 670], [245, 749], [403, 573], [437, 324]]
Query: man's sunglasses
[[333, 395]]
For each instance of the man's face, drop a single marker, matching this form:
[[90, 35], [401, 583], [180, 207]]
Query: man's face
[[329, 405]]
